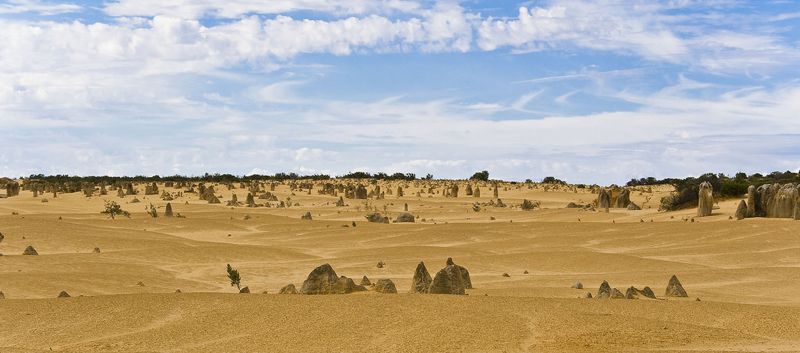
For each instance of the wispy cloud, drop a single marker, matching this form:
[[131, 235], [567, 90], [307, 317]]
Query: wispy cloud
[[38, 7]]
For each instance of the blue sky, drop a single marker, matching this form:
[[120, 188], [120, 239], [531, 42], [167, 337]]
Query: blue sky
[[587, 91]]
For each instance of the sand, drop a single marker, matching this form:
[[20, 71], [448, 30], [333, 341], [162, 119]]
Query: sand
[[745, 273]]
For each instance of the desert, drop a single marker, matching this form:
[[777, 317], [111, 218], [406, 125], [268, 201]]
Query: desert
[[143, 283]]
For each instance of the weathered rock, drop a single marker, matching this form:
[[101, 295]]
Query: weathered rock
[[2, 295], [741, 210], [705, 200], [617, 294], [63, 294], [464, 273], [448, 280], [636, 293], [422, 279], [405, 217], [633, 207], [603, 199], [320, 281], [528, 205], [604, 292], [323, 280], [345, 285], [244, 290], [288, 289], [306, 216], [780, 200], [385, 286], [212, 199], [168, 210], [96, 250], [365, 281], [361, 192], [30, 251], [674, 288], [377, 218], [751, 201], [623, 199], [577, 285]]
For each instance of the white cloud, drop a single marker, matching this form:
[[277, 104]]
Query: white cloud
[[193, 9], [36, 6]]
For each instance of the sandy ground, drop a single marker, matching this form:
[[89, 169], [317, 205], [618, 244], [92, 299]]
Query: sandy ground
[[745, 273]]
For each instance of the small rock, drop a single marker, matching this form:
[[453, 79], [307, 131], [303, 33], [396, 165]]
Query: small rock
[[385, 286], [288, 289], [29, 250]]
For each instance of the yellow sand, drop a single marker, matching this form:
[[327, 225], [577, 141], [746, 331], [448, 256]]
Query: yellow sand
[[745, 273]]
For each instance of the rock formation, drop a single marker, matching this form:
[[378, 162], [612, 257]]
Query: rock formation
[[636, 293], [705, 201], [288, 289], [604, 292], [365, 281], [12, 189], [741, 210], [633, 207], [422, 279], [603, 199], [405, 217], [63, 294], [751, 201], [674, 288], [323, 280], [377, 218], [623, 199], [385, 286], [168, 210], [464, 273], [448, 280], [306, 216], [30, 251], [577, 285]]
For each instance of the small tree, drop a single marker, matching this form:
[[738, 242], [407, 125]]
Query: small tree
[[112, 209], [233, 275], [480, 176]]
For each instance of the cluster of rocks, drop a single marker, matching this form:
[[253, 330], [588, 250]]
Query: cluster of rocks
[[674, 289], [452, 279], [771, 201], [615, 198]]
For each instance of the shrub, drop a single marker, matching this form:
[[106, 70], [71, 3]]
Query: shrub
[[112, 209], [233, 275]]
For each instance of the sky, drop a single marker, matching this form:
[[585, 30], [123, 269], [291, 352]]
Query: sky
[[586, 91]]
